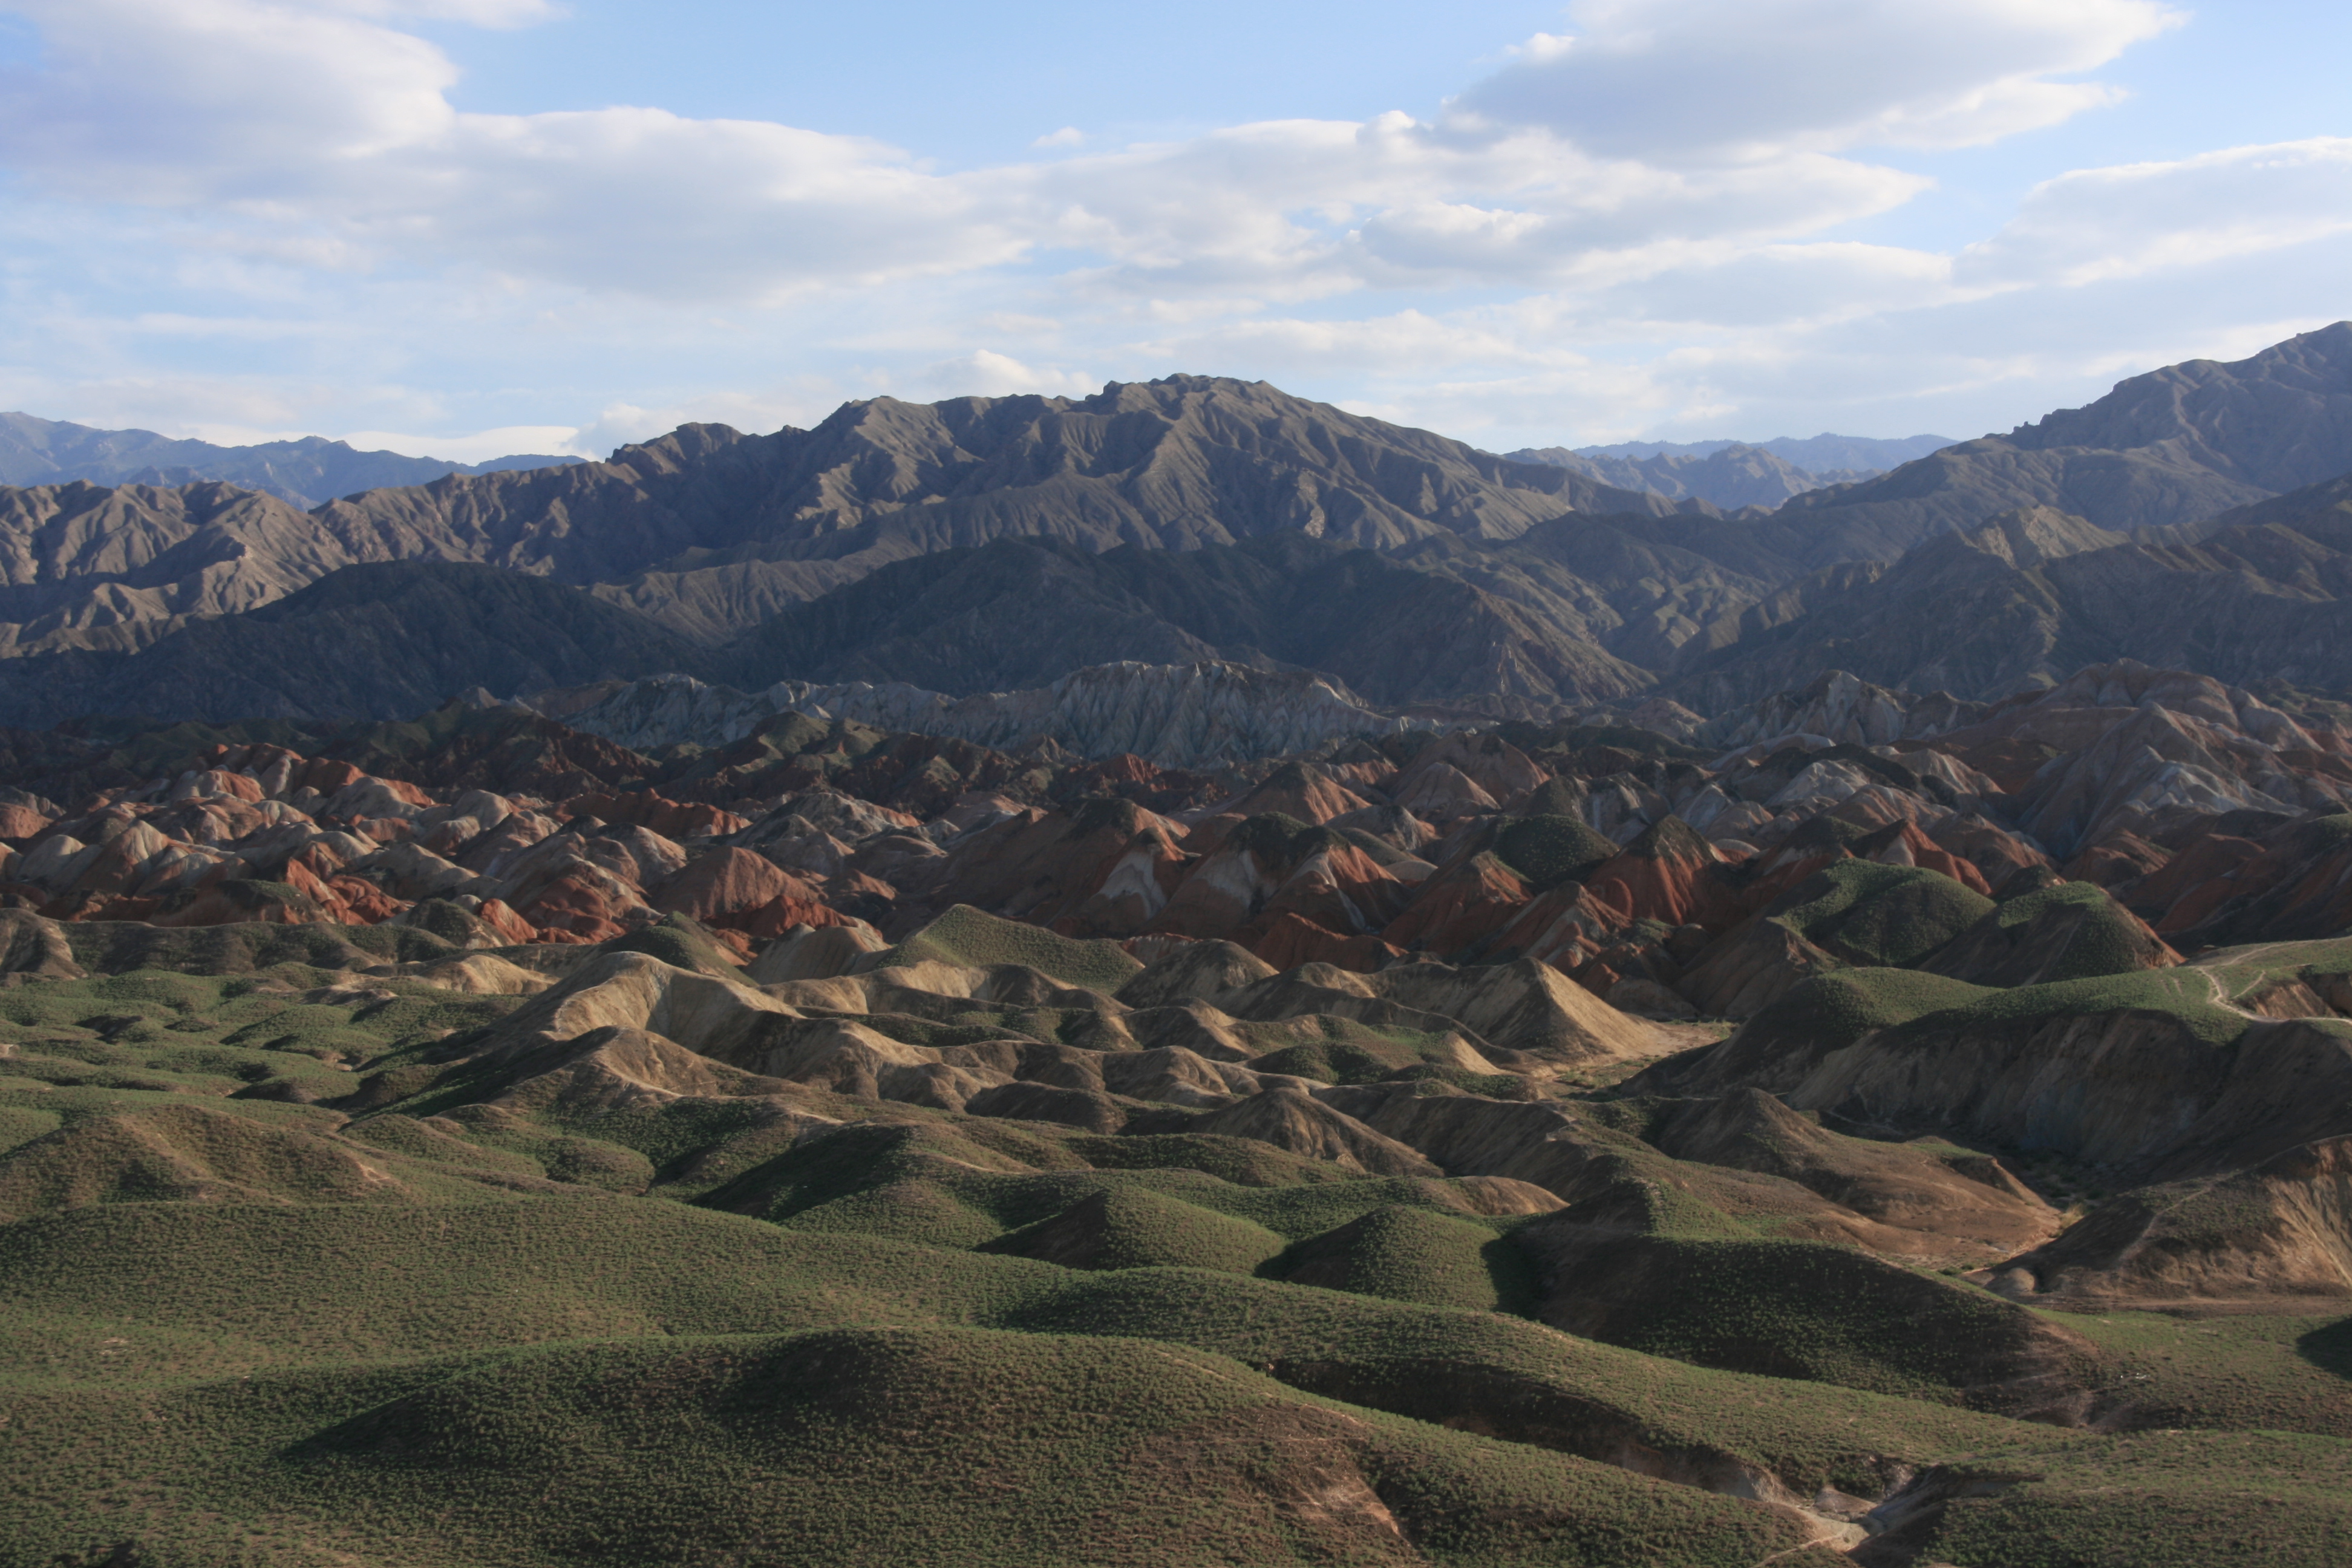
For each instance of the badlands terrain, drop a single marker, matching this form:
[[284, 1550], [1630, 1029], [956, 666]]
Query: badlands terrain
[[1907, 1130], [1184, 977]]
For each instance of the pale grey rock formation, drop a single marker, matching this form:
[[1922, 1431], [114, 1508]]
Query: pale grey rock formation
[[1180, 715], [1839, 709]]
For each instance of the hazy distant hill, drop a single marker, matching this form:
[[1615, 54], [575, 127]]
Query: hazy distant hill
[[1823, 454], [306, 472], [1732, 476]]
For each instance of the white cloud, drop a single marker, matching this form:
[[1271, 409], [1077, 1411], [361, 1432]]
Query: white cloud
[[1780, 287], [322, 129], [316, 123], [1307, 208], [507, 440], [1669, 79], [480, 13], [1384, 345], [170, 101], [984, 372], [2095, 224], [1629, 227]]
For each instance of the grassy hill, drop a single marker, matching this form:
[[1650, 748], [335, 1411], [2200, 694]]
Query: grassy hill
[[297, 1268]]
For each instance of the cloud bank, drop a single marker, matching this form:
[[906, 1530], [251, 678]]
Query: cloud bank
[[1639, 220]]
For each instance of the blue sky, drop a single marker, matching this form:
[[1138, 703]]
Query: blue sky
[[465, 226]]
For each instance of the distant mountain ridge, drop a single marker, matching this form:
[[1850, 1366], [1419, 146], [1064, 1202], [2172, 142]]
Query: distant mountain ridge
[[1574, 614], [305, 472], [367, 641], [1176, 463], [1732, 476], [1822, 454]]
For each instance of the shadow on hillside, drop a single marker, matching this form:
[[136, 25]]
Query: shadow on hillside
[[2330, 1348]]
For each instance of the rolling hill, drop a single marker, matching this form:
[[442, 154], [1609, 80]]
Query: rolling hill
[[461, 1139]]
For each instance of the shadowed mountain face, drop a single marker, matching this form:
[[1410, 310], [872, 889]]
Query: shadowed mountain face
[[967, 621], [2260, 594], [305, 472], [2173, 445], [1574, 611], [367, 641]]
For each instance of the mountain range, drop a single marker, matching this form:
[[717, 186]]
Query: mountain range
[[1819, 454], [1193, 518], [305, 471]]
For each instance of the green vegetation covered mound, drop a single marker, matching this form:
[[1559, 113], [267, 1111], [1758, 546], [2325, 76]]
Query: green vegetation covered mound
[[305, 1259], [2183, 993], [1551, 849], [965, 936], [948, 1447], [1877, 915], [2146, 1499], [1830, 1012]]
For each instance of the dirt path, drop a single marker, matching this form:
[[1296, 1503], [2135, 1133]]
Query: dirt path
[[2221, 998]]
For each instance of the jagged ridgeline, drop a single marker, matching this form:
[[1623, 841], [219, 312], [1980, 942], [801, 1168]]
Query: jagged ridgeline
[[2194, 518]]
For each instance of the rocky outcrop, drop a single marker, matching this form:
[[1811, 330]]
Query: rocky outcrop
[[2278, 1233], [31, 945]]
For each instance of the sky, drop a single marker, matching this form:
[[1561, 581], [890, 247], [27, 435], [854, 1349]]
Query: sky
[[466, 228]]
